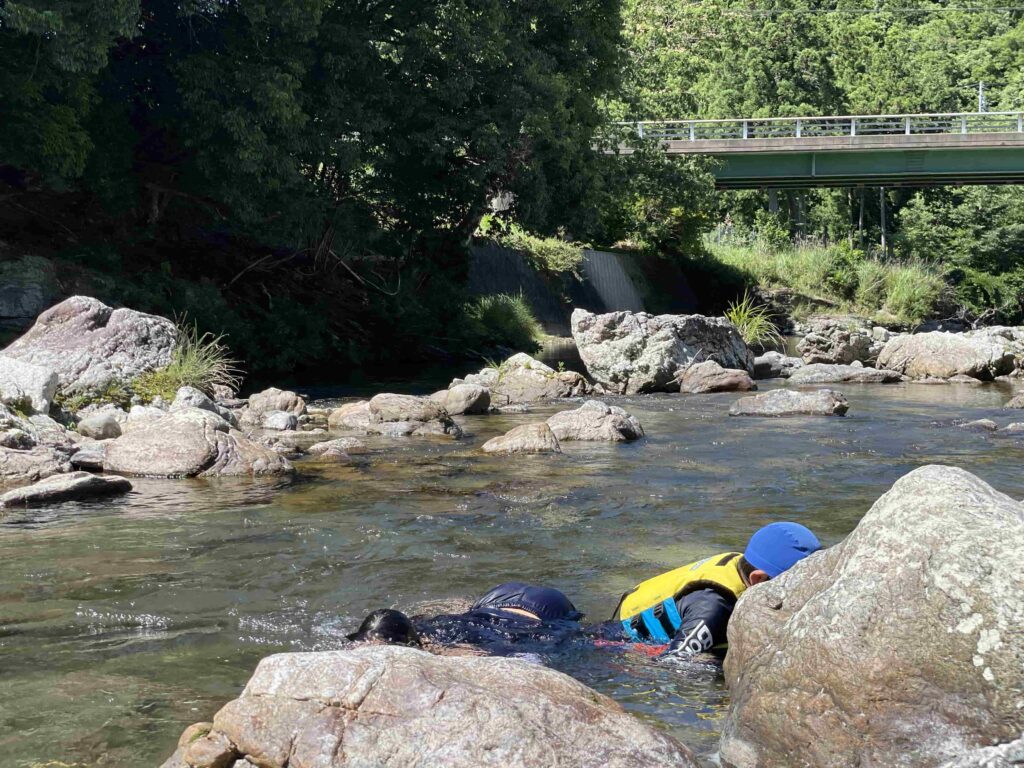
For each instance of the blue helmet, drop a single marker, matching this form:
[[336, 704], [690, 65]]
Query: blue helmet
[[779, 546]]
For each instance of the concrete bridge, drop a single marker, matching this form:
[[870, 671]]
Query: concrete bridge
[[851, 151]]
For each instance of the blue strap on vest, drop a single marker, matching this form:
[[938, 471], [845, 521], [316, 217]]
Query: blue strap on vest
[[649, 628]]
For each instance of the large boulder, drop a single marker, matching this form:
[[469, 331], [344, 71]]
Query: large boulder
[[820, 373], [902, 646], [981, 355], [90, 345], [409, 416], [73, 486], [526, 438], [709, 376], [841, 341], [26, 386], [631, 352], [351, 416], [523, 379], [29, 466], [392, 707], [463, 399], [190, 443], [275, 399], [775, 365], [596, 421], [787, 402]]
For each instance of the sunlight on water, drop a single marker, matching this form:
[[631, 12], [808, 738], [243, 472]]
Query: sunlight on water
[[122, 622]]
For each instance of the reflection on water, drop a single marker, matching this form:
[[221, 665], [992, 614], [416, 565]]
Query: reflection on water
[[122, 622]]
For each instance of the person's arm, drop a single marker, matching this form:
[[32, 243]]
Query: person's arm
[[705, 614]]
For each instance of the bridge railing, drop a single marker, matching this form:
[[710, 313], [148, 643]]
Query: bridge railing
[[846, 125]]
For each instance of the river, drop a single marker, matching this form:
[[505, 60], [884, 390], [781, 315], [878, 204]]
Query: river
[[122, 622]]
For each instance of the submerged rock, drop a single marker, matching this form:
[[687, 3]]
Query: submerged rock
[[632, 352], [944, 355], [26, 386], [394, 707], [90, 345], [190, 443], [73, 486], [775, 365], [595, 420], [980, 425], [709, 376], [901, 646], [787, 402], [819, 373], [522, 379], [526, 438]]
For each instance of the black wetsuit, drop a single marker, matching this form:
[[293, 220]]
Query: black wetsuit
[[705, 614]]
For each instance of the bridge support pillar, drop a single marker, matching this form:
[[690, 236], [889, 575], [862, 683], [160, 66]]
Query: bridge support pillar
[[773, 201], [881, 209]]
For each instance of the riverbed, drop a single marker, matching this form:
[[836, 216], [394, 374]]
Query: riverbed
[[123, 622]]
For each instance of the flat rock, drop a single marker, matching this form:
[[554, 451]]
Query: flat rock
[[523, 379], [190, 443], [820, 373], [275, 399], [788, 402], [902, 646], [944, 355], [26, 386], [72, 486], [354, 416], [526, 438], [394, 707], [775, 365], [389, 407], [90, 345], [19, 467], [709, 376], [343, 444], [633, 352], [595, 420]]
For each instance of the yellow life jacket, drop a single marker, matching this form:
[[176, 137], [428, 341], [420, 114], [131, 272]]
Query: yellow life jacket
[[648, 612]]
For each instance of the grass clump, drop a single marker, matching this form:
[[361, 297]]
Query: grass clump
[[754, 322], [502, 320], [551, 255], [115, 393], [200, 361]]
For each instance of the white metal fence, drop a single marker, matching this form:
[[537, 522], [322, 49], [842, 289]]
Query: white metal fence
[[813, 127]]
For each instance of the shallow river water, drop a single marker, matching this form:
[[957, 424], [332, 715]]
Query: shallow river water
[[122, 622]]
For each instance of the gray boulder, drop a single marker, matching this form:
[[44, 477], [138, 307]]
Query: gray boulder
[[90, 345], [102, 425], [275, 399], [280, 420], [709, 376], [19, 466], [944, 355], [526, 438], [787, 402], [353, 416], [389, 407], [190, 397], [840, 341], [904, 644], [392, 707], [775, 365], [1008, 755], [596, 421], [190, 443], [1016, 402], [73, 486], [28, 285], [819, 373], [631, 352], [463, 399], [522, 379], [26, 386]]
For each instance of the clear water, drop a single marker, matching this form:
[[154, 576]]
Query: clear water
[[122, 622]]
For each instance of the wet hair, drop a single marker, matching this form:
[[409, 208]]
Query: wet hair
[[745, 568], [547, 603], [387, 626]]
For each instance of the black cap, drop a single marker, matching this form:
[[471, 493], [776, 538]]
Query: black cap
[[387, 626], [547, 603]]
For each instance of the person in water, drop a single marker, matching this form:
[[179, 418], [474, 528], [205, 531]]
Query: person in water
[[511, 618], [686, 611]]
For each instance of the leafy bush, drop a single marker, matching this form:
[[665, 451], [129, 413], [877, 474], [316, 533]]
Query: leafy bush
[[552, 255], [501, 320], [200, 361], [754, 322], [912, 291]]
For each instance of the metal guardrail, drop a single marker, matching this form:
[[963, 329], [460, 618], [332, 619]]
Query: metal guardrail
[[813, 127]]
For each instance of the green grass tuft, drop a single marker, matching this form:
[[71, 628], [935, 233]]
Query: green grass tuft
[[754, 322], [501, 320], [199, 361]]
